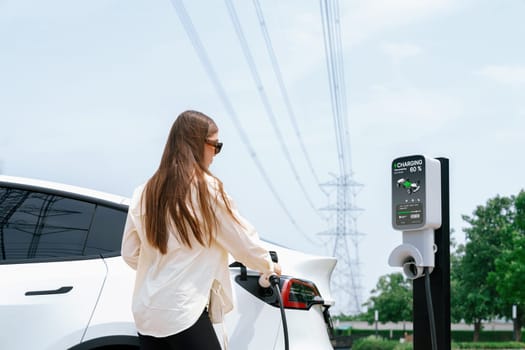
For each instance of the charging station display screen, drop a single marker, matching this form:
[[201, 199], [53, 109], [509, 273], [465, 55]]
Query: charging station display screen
[[408, 192]]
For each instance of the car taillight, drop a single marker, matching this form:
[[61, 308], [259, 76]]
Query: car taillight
[[296, 293], [299, 294]]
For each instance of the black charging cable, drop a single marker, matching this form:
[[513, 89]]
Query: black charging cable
[[430, 309], [274, 282]]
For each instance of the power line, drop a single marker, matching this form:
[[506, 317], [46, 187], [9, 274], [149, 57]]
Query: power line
[[347, 273], [342, 86], [335, 98], [283, 90], [205, 61], [334, 59], [265, 100]]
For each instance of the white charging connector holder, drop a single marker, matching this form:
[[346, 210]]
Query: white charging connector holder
[[416, 211]]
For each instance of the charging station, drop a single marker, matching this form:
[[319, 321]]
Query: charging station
[[420, 209], [416, 210]]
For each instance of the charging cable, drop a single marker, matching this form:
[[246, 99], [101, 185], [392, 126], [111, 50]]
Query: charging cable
[[273, 281], [430, 309]]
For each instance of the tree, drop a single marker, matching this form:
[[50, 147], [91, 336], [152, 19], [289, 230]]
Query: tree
[[392, 298], [456, 257], [509, 271], [489, 234]]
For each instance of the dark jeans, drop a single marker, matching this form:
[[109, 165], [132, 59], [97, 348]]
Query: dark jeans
[[200, 336]]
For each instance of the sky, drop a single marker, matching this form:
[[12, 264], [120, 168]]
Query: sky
[[89, 90]]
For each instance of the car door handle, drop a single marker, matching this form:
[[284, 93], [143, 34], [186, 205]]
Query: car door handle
[[61, 290]]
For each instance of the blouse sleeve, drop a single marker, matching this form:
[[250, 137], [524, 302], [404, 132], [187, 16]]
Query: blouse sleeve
[[130, 243], [241, 239]]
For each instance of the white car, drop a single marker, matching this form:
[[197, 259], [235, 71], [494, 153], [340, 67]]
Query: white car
[[63, 284]]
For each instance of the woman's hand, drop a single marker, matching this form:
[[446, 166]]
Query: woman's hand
[[277, 269]]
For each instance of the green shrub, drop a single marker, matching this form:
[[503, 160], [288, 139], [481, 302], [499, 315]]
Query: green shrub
[[459, 336], [487, 336], [374, 343], [486, 345], [404, 346], [383, 333]]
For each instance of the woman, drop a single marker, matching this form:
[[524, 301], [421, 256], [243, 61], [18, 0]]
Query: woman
[[180, 228]]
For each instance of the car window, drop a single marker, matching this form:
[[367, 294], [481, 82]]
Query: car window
[[105, 235], [40, 226]]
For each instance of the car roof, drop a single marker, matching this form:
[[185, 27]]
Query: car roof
[[48, 186]]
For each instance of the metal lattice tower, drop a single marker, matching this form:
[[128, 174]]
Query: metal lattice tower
[[346, 278]]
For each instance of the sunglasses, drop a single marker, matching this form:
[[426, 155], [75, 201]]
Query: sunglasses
[[216, 144]]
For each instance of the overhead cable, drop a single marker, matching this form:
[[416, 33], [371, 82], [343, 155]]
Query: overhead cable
[[342, 83], [330, 17], [189, 28], [265, 100], [283, 90], [335, 69]]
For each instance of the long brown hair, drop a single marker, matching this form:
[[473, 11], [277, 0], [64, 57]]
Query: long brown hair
[[167, 194]]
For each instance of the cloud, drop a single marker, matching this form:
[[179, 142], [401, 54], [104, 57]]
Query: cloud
[[514, 75], [399, 51], [43, 10], [407, 109], [368, 17], [300, 40]]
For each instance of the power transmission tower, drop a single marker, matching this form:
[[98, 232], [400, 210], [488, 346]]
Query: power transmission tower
[[346, 278]]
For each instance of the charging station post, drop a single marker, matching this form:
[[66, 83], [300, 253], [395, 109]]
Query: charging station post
[[439, 280], [420, 209]]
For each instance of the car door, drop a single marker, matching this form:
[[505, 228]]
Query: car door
[[49, 280]]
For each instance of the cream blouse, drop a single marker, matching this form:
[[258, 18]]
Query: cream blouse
[[172, 290]]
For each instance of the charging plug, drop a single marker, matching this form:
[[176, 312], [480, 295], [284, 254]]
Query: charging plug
[[274, 279]]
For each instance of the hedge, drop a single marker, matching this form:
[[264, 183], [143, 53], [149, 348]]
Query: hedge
[[486, 345], [375, 343], [457, 336]]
